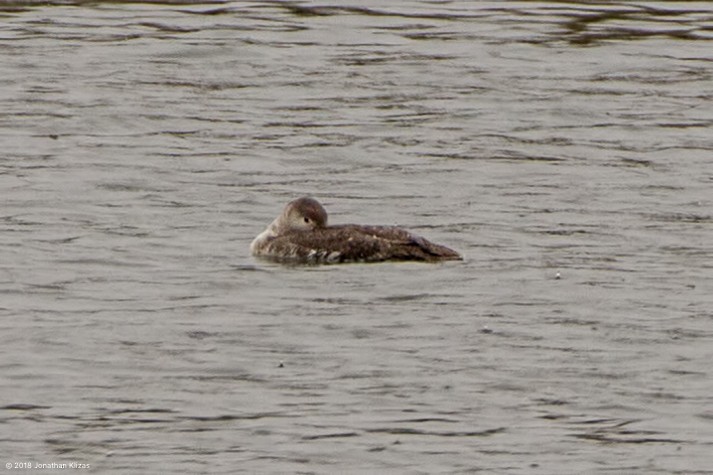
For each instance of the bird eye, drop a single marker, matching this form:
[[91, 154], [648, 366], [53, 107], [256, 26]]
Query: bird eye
[[306, 220]]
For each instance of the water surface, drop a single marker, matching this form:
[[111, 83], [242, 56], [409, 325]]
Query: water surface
[[563, 148]]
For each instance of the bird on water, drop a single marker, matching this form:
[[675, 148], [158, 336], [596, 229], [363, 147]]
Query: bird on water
[[301, 234]]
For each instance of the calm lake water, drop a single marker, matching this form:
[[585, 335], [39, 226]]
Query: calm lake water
[[566, 149]]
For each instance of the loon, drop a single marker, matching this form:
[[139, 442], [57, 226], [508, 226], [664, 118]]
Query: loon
[[301, 234]]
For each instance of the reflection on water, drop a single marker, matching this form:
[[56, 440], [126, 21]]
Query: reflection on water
[[564, 148], [631, 22]]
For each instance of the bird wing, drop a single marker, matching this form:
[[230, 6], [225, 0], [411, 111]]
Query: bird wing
[[354, 243]]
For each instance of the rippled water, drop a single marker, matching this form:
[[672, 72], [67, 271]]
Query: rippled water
[[563, 148]]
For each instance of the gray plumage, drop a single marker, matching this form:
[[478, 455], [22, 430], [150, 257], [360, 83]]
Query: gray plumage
[[301, 234]]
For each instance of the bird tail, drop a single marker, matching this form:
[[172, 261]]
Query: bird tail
[[432, 252]]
